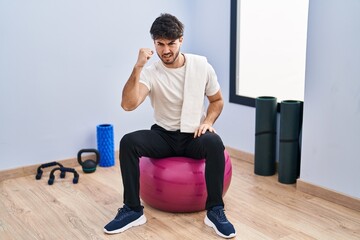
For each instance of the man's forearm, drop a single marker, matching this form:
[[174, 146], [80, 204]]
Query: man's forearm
[[213, 112], [130, 93]]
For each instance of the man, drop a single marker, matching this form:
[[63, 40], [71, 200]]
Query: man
[[177, 86]]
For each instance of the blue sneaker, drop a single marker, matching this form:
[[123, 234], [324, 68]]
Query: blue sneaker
[[125, 219], [216, 219]]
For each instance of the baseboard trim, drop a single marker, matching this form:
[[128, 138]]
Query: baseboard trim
[[32, 169], [244, 156], [303, 186], [329, 195]]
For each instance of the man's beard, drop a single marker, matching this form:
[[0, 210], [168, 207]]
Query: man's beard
[[174, 59]]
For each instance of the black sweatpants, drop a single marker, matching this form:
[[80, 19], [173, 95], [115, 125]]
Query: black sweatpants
[[160, 143]]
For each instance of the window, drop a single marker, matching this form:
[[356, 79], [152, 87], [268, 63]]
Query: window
[[267, 49]]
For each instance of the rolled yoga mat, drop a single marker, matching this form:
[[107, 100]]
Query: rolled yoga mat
[[265, 136], [289, 149], [105, 144]]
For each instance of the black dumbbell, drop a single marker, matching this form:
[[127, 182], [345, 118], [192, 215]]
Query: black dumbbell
[[63, 170], [45, 165]]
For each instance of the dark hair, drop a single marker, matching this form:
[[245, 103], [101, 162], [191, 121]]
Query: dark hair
[[166, 26]]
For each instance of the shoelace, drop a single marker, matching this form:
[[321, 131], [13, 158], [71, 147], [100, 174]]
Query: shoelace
[[122, 212], [220, 214]]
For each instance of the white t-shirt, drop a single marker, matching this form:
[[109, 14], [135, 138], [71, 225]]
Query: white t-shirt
[[166, 86]]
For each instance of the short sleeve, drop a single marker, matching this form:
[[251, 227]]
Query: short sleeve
[[145, 78]]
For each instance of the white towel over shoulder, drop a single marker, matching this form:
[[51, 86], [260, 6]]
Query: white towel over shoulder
[[193, 110]]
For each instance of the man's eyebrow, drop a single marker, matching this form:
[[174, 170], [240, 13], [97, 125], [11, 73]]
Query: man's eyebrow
[[166, 43]]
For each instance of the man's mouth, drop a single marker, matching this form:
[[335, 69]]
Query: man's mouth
[[167, 56]]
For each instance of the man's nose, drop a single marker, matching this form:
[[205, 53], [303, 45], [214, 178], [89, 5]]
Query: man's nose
[[166, 49]]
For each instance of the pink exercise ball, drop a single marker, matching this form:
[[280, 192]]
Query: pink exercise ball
[[177, 184]]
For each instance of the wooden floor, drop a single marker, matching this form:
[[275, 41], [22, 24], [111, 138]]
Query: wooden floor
[[259, 207]]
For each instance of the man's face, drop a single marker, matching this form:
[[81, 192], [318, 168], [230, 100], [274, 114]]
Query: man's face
[[168, 50]]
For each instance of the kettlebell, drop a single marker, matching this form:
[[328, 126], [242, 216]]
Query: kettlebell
[[89, 165]]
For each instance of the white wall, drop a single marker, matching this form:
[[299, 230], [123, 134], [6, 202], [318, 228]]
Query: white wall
[[62, 68], [63, 65], [331, 128]]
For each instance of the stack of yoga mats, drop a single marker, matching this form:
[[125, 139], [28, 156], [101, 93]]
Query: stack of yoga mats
[[289, 138], [265, 136]]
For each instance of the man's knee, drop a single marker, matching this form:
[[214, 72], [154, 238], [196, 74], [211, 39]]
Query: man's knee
[[212, 140], [128, 140]]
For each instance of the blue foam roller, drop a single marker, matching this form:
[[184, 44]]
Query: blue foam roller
[[105, 145]]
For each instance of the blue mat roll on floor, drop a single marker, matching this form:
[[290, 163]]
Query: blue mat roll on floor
[[289, 148], [265, 136], [105, 144]]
